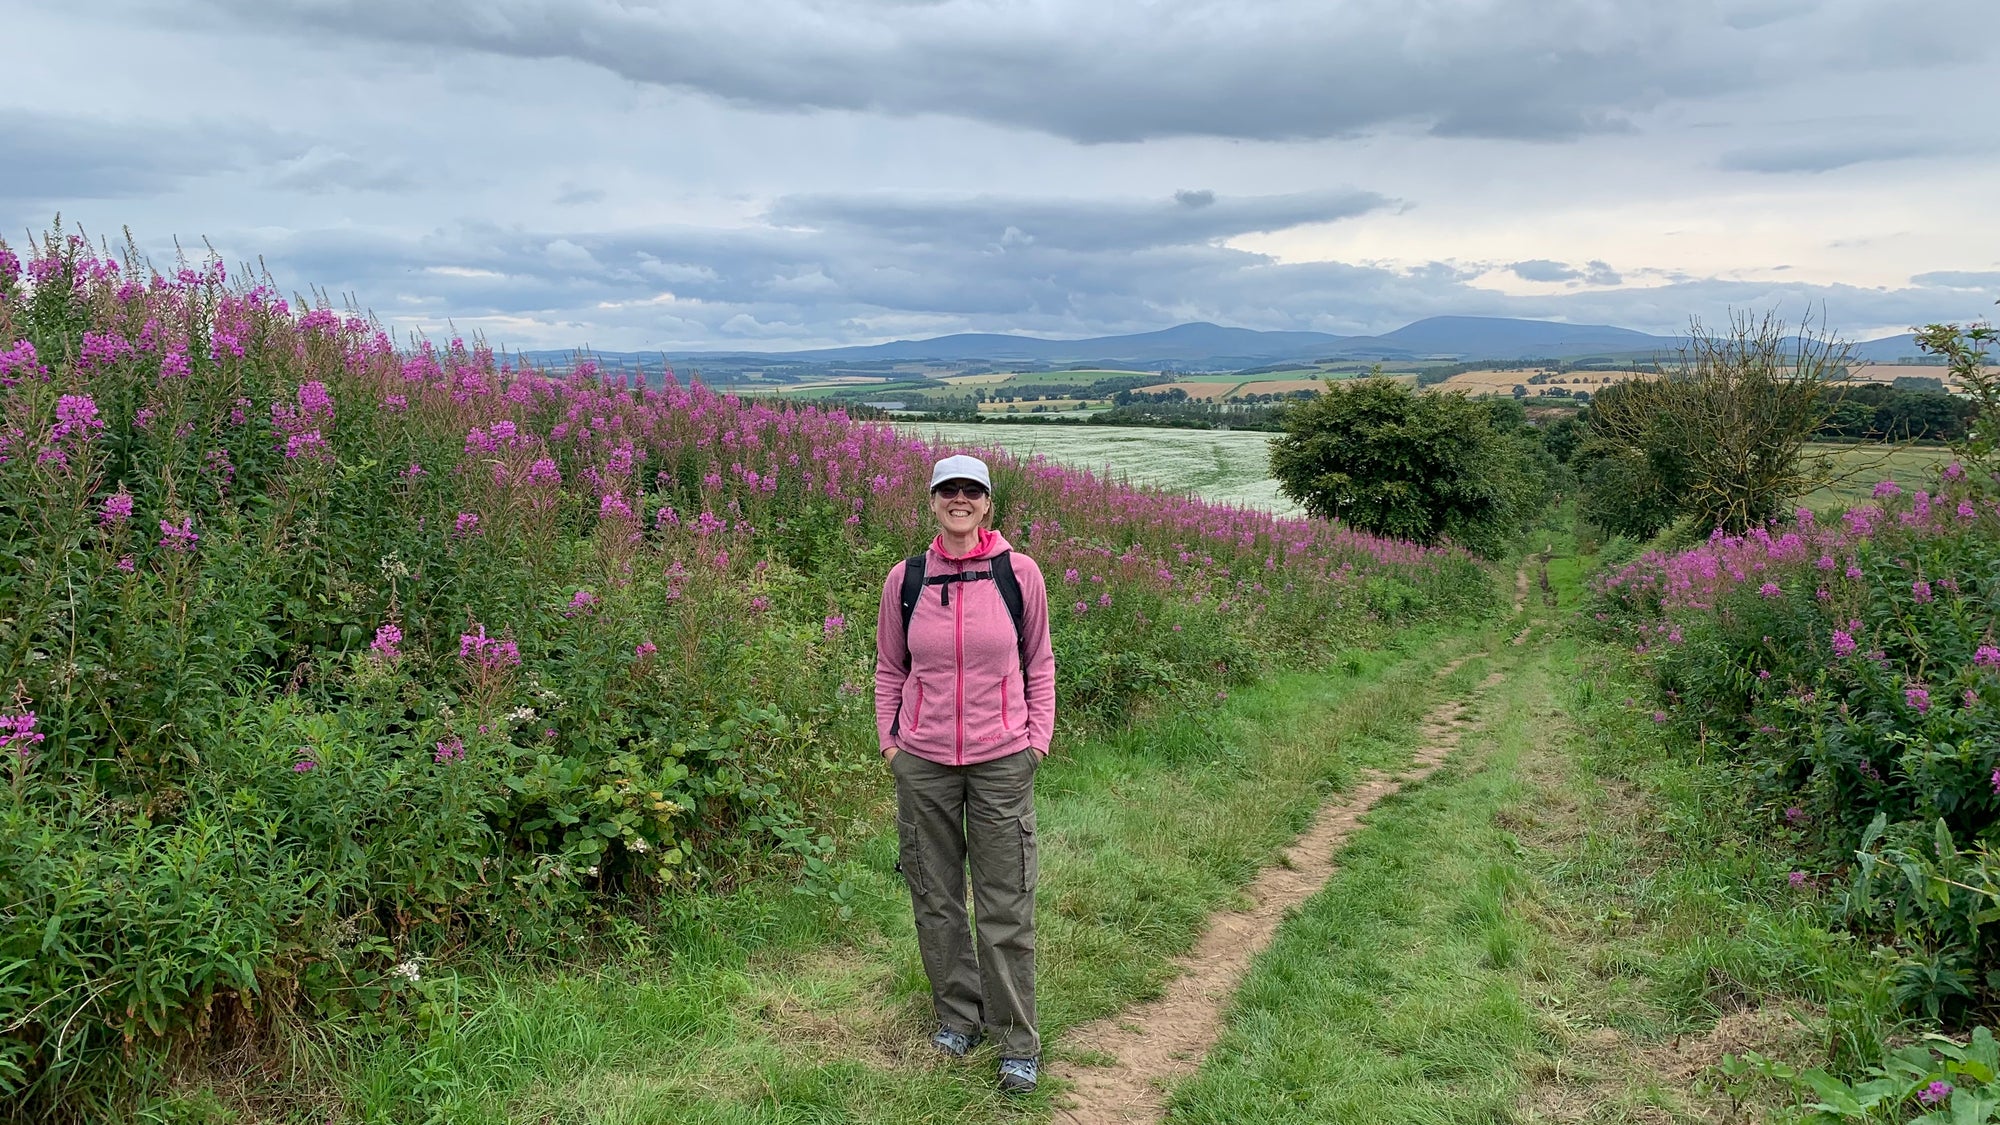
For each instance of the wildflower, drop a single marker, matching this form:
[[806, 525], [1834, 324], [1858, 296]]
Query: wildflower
[[1969, 698], [387, 638], [304, 764], [127, 564], [467, 524], [116, 510], [1069, 576], [834, 626], [1843, 643], [1954, 471], [1080, 608], [1854, 572], [180, 540], [1986, 656], [1996, 782], [1794, 815], [583, 599], [411, 970], [1934, 1093], [1659, 716], [76, 416], [1798, 878], [1887, 489], [489, 653], [1769, 590], [1918, 698], [1763, 673], [760, 603], [414, 472], [17, 732], [1921, 590], [452, 749], [644, 650], [1104, 601]]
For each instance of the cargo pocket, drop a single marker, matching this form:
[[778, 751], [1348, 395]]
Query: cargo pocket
[[909, 854], [1029, 863]]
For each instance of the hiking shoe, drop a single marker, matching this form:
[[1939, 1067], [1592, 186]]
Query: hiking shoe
[[954, 1043], [1017, 1076]]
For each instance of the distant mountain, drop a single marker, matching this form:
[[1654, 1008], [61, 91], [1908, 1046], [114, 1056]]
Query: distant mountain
[[1489, 337], [1212, 346]]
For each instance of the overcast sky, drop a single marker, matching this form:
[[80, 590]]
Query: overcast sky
[[638, 174]]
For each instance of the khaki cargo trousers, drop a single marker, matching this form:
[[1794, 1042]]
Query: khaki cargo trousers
[[947, 816]]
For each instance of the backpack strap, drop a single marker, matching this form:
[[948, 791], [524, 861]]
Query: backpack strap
[[1003, 580], [1010, 592], [913, 588]]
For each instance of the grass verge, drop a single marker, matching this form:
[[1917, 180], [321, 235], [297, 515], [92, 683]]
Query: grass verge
[[771, 1006]]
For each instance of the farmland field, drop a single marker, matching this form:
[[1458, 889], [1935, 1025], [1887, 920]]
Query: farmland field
[[1224, 466], [1913, 467], [1491, 382]]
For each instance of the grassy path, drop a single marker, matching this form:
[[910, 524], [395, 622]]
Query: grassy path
[[1547, 924]]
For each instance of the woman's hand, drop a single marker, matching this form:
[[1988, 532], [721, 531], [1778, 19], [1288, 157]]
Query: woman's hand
[[889, 755]]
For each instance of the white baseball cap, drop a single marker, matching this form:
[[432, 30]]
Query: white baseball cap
[[961, 467]]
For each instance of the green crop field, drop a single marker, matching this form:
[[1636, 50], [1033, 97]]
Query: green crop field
[[1862, 466], [1226, 466]]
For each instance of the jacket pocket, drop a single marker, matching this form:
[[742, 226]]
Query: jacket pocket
[[917, 709]]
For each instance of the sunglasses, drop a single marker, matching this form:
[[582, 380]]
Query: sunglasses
[[950, 491]]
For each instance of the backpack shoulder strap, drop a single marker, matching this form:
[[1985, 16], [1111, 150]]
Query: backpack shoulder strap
[[1010, 592], [913, 588]]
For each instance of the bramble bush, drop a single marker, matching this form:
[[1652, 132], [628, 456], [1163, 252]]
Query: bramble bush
[[317, 655]]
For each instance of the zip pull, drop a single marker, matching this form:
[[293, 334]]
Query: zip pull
[[944, 593]]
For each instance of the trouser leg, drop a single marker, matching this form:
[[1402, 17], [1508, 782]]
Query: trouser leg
[[930, 833], [1000, 834]]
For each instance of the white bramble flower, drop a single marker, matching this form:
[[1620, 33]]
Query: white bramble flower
[[521, 715], [638, 844], [410, 970]]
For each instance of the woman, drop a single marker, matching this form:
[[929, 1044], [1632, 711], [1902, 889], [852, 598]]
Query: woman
[[965, 704]]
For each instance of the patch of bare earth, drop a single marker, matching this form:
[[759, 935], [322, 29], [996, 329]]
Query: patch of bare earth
[[1152, 1045]]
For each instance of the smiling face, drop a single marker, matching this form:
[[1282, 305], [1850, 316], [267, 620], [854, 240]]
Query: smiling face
[[960, 514]]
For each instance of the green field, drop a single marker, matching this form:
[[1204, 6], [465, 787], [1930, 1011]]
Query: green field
[[1226, 466], [1862, 466]]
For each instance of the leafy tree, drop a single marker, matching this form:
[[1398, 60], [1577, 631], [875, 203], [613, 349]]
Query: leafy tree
[[1967, 351], [1426, 466]]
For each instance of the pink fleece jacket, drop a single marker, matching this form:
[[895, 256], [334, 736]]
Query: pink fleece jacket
[[963, 697]]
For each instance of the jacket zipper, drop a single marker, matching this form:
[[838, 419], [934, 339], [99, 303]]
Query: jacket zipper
[[959, 681]]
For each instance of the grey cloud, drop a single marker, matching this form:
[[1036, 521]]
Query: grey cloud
[[321, 170], [1127, 70], [1825, 156], [1988, 280], [925, 267], [1074, 225], [55, 159], [1194, 198], [1542, 269]]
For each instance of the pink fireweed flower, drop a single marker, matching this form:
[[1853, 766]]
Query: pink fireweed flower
[[309, 445], [315, 401], [467, 524], [386, 639], [1104, 601], [1659, 716], [17, 733], [1954, 471], [582, 599], [1886, 489], [644, 650], [544, 471], [1968, 699], [1797, 878], [613, 507], [451, 749], [1921, 590], [1986, 656], [1934, 1093], [1769, 590], [179, 539], [489, 653], [1843, 643], [305, 764], [1918, 698], [1069, 576], [127, 564], [116, 509], [834, 625], [19, 362], [1080, 608], [76, 416]]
